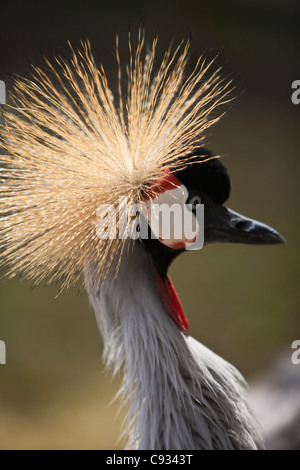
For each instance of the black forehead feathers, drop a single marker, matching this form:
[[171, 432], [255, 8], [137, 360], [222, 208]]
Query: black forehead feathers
[[210, 177]]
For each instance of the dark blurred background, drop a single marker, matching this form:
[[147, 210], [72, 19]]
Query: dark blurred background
[[242, 301]]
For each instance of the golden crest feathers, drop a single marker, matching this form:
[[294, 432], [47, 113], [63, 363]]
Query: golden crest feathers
[[68, 147]]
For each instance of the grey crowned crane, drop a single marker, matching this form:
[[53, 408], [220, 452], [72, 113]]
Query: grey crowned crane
[[72, 152]]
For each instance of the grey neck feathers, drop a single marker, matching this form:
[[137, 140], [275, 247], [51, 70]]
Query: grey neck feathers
[[182, 396]]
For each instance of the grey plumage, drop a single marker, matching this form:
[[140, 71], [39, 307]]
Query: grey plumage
[[275, 397], [182, 395]]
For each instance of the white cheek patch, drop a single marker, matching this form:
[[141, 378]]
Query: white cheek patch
[[171, 220]]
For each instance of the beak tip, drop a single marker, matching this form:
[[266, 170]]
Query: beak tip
[[280, 238], [271, 237]]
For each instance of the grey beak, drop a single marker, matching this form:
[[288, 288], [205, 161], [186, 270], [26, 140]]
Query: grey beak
[[224, 225]]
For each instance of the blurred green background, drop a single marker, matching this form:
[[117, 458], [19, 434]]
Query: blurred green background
[[242, 301]]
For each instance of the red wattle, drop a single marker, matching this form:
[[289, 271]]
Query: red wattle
[[172, 303]]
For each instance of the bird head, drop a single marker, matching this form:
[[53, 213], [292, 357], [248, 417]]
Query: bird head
[[205, 182], [70, 146]]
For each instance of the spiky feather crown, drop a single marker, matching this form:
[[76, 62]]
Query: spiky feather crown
[[67, 149]]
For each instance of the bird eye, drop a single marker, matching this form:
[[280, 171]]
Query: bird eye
[[194, 201]]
